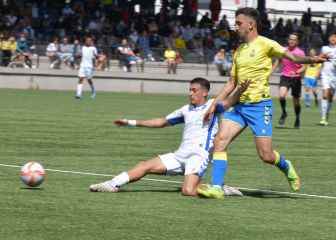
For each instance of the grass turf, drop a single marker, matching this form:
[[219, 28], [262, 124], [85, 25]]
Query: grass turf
[[63, 133]]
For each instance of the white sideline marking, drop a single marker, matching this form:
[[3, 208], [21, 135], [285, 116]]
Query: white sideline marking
[[177, 182]]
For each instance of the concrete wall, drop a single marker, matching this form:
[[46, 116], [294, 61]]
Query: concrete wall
[[110, 81]]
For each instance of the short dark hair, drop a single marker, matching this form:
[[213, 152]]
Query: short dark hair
[[250, 12], [201, 81]]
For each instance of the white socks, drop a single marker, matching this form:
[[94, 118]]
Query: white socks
[[120, 180], [79, 89], [324, 108]]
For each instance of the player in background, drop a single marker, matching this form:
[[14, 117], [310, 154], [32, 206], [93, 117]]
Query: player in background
[[328, 79], [192, 157], [291, 79], [89, 55], [311, 75], [252, 61]]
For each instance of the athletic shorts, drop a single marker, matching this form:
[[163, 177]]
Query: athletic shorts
[[186, 162], [86, 72], [257, 116], [328, 82], [310, 82], [293, 83]]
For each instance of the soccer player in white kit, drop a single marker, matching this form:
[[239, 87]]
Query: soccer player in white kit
[[192, 157], [89, 54], [328, 78]]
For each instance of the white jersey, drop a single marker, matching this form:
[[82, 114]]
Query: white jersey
[[88, 56], [329, 67], [195, 133]]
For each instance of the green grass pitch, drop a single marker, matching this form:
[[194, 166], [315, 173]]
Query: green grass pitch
[[53, 128]]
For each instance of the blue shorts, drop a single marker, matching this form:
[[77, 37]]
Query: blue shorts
[[310, 82], [258, 116]]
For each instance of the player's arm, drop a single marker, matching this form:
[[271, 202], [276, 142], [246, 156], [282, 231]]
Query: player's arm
[[150, 123], [305, 59], [223, 94], [301, 69], [275, 65], [233, 98]]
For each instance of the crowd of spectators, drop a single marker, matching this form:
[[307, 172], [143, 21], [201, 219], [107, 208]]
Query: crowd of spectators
[[147, 34]]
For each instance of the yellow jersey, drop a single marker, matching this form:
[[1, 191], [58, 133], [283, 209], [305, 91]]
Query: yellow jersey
[[253, 61], [170, 54], [313, 70], [7, 45]]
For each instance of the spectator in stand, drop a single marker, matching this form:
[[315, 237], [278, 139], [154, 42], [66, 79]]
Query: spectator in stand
[[224, 23], [222, 63], [8, 50], [66, 50], [143, 43], [23, 51], [279, 33], [76, 54], [179, 43], [2, 40], [53, 53], [127, 57], [170, 58], [205, 21], [101, 63]]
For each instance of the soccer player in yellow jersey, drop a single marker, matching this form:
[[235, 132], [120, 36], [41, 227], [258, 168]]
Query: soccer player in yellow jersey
[[311, 75], [253, 63]]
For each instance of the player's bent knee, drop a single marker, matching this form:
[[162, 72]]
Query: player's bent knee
[[189, 191], [267, 157]]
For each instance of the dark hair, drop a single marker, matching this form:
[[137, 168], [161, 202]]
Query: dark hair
[[250, 12], [201, 81]]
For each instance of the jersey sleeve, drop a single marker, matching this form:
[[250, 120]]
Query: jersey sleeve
[[176, 117], [275, 49]]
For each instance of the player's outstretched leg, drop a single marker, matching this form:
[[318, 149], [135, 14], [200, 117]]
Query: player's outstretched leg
[[288, 169], [154, 165], [112, 185]]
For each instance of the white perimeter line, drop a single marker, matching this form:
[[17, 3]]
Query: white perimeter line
[[178, 182]]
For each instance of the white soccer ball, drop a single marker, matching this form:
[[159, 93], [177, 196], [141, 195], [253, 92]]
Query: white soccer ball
[[32, 174]]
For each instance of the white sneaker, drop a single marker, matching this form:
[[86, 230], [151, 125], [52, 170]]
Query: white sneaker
[[103, 187], [231, 191]]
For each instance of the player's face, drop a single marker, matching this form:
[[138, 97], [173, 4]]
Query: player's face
[[244, 25], [332, 39], [197, 94], [293, 41], [88, 41]]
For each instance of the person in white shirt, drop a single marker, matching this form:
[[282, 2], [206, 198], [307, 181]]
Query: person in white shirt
[[89, 54], [192, 157], [328, 79]]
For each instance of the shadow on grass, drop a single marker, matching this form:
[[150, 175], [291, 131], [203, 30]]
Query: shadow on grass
[[150, 190], [32, 188], [266, 194], [286, 128]]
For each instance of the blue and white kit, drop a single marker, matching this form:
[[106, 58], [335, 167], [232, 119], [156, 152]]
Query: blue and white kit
[[192, 156]]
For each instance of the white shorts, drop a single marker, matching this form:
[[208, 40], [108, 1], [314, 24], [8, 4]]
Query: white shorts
[[186, 162], [86, 72], [328, 81]]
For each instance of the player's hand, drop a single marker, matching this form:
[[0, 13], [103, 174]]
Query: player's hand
[[121, 122], [209, 113], [320, 58]]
